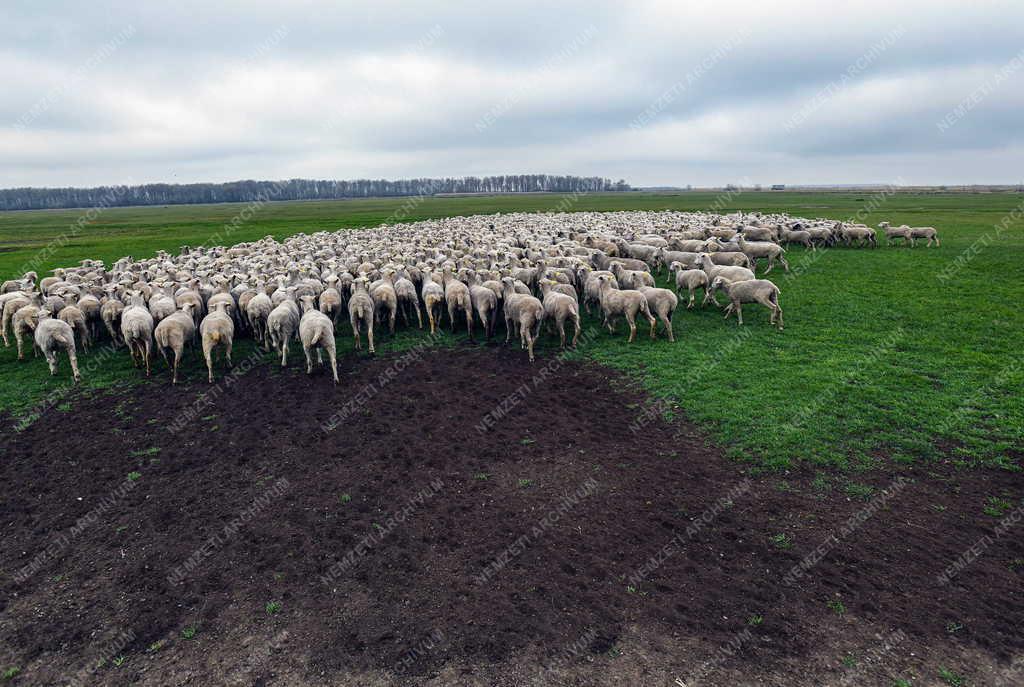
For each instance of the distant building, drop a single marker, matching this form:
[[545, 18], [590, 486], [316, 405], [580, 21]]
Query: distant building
[[778, 187]]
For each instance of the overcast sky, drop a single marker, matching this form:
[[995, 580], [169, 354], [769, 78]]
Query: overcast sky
[[661, 92]]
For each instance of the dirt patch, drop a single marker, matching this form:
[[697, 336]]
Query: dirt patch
[[467, 522]]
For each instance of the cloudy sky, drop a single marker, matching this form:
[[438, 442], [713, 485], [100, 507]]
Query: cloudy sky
[[659, 92]]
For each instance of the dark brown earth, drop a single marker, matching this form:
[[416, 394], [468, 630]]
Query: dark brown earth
[[559, 491]]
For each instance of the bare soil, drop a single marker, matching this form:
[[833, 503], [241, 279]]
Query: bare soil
[[423, 541]]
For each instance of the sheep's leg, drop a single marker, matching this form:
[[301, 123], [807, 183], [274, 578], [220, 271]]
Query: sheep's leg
[[355, 335], [771, 264], [561, 331], [309, 359], [227, 352], [73, 359], [391, 321], [177, 359], [469, 321], [284, 351], [419, 318], [739, 312], [668, 326], [319, 356], [508, 329], [631, 321], [369, 334], [208, 354], [17, 338], [451, 314], [334, 363], [779, 311], [51, 360], [576, 335], [529, 340]]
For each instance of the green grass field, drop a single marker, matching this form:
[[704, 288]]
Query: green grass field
[[880, 359]]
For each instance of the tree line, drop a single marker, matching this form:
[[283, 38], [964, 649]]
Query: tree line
[[294, 189]]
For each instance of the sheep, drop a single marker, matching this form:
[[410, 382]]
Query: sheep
[[331, 300], [217, 329], [762, 249], [26, 283], [433, 300], [559, 307], [110, 312], [257, 312], [663, 303], [457, 296], [864, 236], [729, 272], [385, 300], [631, 279], [750, 291], [73, 316], [524, 312], [591, 287], [405, 291], [689, 279], [316, 330], [137, 330], [603, 262], [667, 257], [24, 322], [929, 233], [172, 333], [50, 336], [485, 302], [282, 322], [800, 236], [615, 303], [12, 303], [360, 312], [892, 234]]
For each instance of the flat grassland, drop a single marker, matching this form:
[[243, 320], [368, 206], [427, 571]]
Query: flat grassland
[[888, 354]]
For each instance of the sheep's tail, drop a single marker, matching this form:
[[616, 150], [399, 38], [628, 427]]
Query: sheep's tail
[[215, 337], [61, 338], [316, 337]]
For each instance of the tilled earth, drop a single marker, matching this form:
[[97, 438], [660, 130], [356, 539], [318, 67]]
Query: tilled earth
[[459, 516]]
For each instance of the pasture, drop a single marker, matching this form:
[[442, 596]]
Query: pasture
[[742, 506]]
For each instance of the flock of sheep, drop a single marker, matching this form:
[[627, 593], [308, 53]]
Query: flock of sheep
[[524, 269]]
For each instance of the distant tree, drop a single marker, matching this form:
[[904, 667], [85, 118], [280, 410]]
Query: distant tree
[[247, 190]]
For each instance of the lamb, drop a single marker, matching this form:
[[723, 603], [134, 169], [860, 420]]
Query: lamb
[[615, 303], [360, 311], [892, 234], [172, 333], [559, 307], [50, 336], [689, 279], [762, 249], [929, 233], [663, 303], [137, 330], [218, 329], [750, 291], [282, 322], [524, 312], [317, 331]]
